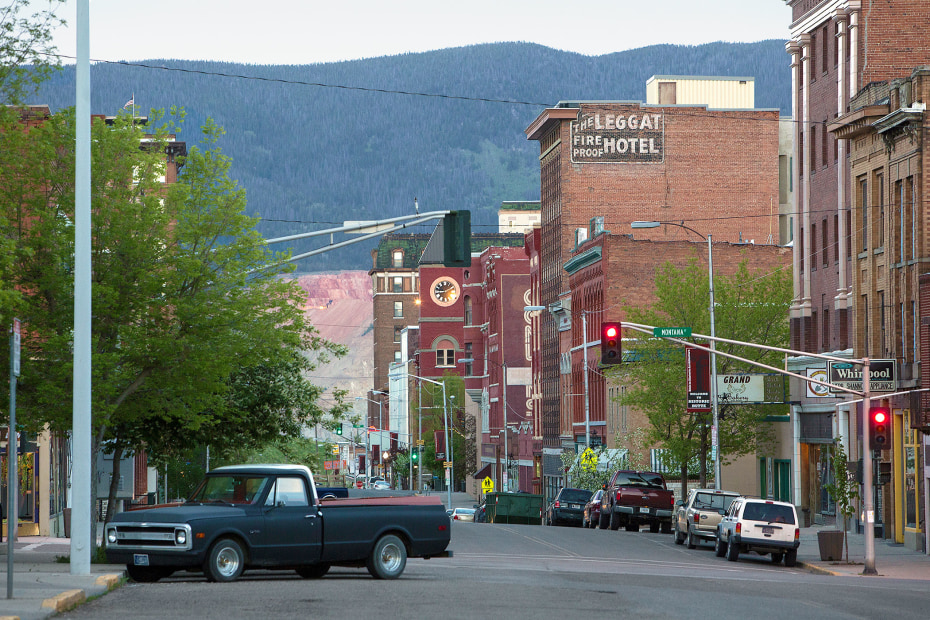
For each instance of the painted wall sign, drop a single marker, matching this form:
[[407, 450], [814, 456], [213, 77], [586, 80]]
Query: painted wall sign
[[815, 390], [627, 136]]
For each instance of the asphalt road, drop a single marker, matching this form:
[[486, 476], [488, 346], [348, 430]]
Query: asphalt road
[[516, 571]]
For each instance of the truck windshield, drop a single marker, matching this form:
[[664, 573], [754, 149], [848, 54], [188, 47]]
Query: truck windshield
[[240, 489], [635, 480]]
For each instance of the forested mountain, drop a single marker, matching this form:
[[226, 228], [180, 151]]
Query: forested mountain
[[315, 145]]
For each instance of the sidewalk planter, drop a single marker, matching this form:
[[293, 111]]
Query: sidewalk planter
[[831, 545]]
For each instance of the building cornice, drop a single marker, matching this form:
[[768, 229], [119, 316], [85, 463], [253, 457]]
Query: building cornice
[[584, 259]]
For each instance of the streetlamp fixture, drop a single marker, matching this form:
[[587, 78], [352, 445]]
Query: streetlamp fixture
[[368, 436], [445, 412], [715, 431]]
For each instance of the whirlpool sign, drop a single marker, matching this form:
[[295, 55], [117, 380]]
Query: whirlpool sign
[[882, 376]]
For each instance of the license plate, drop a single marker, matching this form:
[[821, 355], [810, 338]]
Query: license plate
[[140, 559], [574, 505], [768, 530], [644, 510]]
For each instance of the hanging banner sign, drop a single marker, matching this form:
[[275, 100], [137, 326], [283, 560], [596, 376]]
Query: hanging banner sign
[[698, 368], [15, 346]]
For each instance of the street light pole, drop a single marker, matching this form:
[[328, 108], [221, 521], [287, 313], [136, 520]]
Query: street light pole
[[368, 435], [447, 434], [587, 400], [715, 430]]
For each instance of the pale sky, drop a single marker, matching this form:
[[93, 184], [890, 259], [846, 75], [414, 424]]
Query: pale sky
[[312, 31]]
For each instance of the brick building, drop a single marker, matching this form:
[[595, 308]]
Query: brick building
[[839, 49], [627, 161], [883, 129], [608, 275]]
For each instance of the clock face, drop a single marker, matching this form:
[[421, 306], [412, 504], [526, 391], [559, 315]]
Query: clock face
[[445, 291]]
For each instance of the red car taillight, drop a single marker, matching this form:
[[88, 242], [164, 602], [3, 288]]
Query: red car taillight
[[697, 517], [739, 528], [797, 534], [556, 504]]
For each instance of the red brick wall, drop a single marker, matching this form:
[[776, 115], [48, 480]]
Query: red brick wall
[[893, 38]]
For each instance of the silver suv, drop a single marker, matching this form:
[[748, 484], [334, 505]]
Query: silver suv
[[761, 526], [696, 518]]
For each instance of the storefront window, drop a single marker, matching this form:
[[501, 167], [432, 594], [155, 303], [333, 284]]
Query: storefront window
[[911, 458]]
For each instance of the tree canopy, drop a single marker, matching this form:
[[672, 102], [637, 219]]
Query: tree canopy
[[26, 54], [751, 306]]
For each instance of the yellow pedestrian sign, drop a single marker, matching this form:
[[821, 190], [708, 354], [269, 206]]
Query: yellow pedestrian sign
[[487, 485], [589, 459]]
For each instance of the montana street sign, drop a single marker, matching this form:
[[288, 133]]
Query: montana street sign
[[671, 332]]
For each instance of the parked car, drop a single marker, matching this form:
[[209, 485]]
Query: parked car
[[270, 517], [760, 526], [633, 498], [380, 484], [696, 517], [568, 507], [592, 510], [463, 514]]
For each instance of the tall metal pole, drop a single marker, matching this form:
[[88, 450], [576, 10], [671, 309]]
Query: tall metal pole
[[419, 434], [81, 537], [587, 400], [715, 431], [12, 452], [445, 411], [506, 431], [867, 495]]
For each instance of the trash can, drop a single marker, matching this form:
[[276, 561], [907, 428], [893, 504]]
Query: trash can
[[524, 508]]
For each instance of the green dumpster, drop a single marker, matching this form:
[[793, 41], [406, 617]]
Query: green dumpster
[[525, 508]]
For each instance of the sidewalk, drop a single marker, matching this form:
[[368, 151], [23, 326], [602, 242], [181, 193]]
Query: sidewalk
[[42, 586], [891, 560]]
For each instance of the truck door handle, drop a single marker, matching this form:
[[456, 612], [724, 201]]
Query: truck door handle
[[310, 516]]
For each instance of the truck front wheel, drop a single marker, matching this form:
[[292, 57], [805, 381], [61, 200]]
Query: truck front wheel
[[225, 562], [388, 558]]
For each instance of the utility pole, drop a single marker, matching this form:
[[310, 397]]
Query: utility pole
[[587, 400]]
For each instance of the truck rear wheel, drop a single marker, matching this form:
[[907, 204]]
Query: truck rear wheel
[[388, 558], [791, 557], [614, 520], [654, 527], [603, 521], [732, 551], [225, 562]]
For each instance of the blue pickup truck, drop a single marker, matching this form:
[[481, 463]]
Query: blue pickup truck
[[272, 517]]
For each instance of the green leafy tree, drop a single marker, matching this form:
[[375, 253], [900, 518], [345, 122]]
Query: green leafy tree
[[750, 306], [26, 53], [188, 316]]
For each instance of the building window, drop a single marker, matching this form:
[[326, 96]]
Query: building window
[[836, 242], [445, 357], [397, 331], [847, 216], [824, 145], [881, 322], [398, 284], [881, 209], [398, 309], [468, 315], [826, 329], [864, 207], [836, 47], [813, 247], [397, 357], [865, 325], [812, 51], [801, 153], [801, 250], [813, 141], [397, 258], [826, 50], [468, 355], [825, 243]]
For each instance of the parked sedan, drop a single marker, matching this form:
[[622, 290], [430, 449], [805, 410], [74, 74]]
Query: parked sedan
[[463, 514], [568, 507], [592, 510]]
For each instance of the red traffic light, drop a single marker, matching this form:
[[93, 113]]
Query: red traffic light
[[610, 343], [879, 416], [611, 331], [879, 428]]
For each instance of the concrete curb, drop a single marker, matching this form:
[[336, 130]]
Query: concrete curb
[[819, 570], [111, 581], [65, 601]]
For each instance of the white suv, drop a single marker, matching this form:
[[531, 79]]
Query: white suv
[[762, 526]]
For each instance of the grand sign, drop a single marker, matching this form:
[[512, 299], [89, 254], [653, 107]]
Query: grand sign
[[881, 376], [625, 137]]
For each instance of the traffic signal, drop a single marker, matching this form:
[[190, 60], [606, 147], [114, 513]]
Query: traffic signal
[[415, 455], [610, 343], [880, 428], [338, 429]]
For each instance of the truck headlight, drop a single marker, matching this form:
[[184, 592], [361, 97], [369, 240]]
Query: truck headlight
[[180, 537], [111, 536]]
